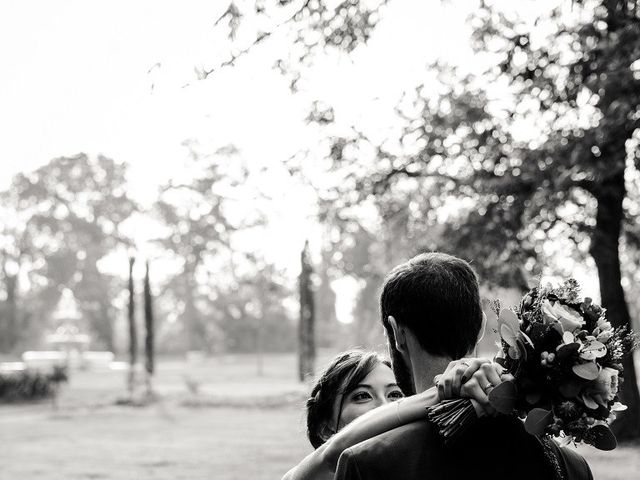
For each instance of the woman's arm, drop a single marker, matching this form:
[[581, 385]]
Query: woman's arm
[[321, 463], [377, 421]]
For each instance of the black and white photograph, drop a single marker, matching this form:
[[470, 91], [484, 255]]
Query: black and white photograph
[[319, 239]]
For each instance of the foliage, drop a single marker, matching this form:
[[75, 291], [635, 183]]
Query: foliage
[[313, 27], [250, 313], [61, 220], [30, 385], [198, 234]]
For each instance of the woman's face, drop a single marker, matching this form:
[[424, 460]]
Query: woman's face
[[376, 389]]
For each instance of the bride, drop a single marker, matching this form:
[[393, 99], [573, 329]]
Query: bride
[[357, 398]]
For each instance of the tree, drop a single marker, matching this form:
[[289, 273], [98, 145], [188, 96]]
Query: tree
[[194, 214], [64, 218], [9, 327], [149, 329], [583, 80], [249, 308], [578, 92], [133, 331], [312, 26], [306, 339]]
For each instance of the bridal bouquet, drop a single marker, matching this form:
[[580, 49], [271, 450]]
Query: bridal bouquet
[[566, 360]]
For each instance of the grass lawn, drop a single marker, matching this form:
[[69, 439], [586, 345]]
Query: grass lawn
[[243, 429]]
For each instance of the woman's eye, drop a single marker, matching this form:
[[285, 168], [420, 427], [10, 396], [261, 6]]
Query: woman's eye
[[360, 396], [396, 395]]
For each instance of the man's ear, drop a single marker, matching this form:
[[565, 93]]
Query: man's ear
[[482, 328], [399, 334]]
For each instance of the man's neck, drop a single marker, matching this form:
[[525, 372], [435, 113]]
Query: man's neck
[[424, 367]]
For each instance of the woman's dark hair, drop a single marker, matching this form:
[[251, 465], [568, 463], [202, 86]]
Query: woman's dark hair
[[340, 377]]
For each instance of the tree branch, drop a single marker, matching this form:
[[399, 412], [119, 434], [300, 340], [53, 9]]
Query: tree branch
[[203, 74]]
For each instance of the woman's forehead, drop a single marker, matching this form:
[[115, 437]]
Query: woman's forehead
[[380, 375]]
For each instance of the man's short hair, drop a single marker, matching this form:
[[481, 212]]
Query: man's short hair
[[437, 297]]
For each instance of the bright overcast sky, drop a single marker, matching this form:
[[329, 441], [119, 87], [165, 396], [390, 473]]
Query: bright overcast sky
[[75, 77]]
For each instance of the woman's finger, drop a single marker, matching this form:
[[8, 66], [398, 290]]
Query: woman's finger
[[507, 377], [492, 377], [471, 389], [449, 381], [472, 366], [452, 381], [456, 382]]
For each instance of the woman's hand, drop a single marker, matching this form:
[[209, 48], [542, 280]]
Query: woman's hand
[[472, 378]]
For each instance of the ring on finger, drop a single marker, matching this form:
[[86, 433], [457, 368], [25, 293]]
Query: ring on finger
[[489, 385]]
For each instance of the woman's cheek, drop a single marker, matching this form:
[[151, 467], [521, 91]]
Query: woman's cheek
[[351, 412]]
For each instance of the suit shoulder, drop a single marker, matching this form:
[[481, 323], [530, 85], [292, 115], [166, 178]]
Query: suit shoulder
[[397, 440], [407, 452]]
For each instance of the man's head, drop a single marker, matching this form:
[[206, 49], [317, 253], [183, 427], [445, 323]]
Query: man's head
[[430, 308]]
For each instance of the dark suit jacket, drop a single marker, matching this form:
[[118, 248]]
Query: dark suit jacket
[[493, 448]]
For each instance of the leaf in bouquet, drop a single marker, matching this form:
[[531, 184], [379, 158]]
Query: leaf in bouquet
[[566, 351], [589, 402], [588, 371], [618, 407], [604, 439], [514, 353], [508, 334], [570, 389], [507, 317], [537, 332], [528, 340], [533, 397], [501, 361], [594, 350], [567, 337], [520, 345], [503, 398], [557, 326], [537, 421]]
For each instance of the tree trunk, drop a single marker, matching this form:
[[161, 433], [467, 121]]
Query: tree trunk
[[259, 346], [133, 334], [260, 319], [11, 282], [102, 325], [9, 331], [306, 341], [149, 331], [605, 252]]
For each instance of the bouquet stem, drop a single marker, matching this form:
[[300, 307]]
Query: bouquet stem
[[452, 417]]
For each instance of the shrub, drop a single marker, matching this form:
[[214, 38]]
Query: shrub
[[30, 385]]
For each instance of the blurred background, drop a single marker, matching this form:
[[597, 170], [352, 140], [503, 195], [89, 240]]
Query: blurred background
[[199, 203]]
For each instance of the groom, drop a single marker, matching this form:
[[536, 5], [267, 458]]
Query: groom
[[431, 312]]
